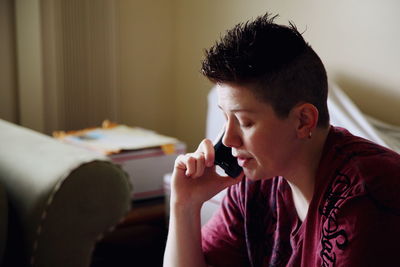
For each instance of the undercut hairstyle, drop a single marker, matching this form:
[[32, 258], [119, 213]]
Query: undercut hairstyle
[[274, 61]]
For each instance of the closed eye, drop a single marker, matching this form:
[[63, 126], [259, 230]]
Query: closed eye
[[246, 124]]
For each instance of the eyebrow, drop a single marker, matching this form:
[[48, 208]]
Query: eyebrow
[[236, 110]]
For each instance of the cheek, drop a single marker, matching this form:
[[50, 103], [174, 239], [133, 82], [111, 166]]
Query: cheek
[[259, 144], [266, 146]]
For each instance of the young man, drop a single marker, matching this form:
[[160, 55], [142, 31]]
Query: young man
[[310, 194]]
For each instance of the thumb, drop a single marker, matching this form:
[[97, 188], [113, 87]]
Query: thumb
[[236, 180], [228, 181]]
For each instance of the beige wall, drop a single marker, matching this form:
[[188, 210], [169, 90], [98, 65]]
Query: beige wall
[[29, 62], [8, 78], [160, 45], [357, 40], [145, 64]]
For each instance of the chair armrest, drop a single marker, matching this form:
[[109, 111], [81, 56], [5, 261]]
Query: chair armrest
[[61, 198]]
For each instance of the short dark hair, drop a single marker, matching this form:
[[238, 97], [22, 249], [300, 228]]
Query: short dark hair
[[274, 61]]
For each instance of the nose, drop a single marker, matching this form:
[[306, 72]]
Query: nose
[[231, 136]]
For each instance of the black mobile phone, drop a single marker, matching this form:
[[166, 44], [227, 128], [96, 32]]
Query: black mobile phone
[[224, 158]]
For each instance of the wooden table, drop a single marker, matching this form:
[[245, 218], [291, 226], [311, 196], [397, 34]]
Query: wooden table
[[146, 211]]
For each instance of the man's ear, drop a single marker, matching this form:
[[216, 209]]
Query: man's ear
[[306, 116]]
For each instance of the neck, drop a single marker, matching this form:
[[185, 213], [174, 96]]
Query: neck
[[302, 179]]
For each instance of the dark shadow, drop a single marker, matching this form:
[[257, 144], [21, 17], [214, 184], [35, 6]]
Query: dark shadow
[[16, 249], [138, 241], [139, 245]]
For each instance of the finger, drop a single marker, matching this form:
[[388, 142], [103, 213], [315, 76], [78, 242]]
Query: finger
[[190, 165], [200, 165], [180, 162], [207, 147]]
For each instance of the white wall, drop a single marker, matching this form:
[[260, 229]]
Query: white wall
[[357, 40]]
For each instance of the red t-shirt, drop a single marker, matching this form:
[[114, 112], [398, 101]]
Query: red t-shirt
[[353, 218]]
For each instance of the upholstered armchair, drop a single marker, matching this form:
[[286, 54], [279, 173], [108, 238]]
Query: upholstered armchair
[[56, 200]]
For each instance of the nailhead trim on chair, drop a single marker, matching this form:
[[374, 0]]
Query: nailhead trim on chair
[[44, 215], [50, 201]]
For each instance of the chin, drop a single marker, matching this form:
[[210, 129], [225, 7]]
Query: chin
[[252, 174], [255, 175]]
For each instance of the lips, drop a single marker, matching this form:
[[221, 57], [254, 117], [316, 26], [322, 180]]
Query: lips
[[243, 158], [242, 161]]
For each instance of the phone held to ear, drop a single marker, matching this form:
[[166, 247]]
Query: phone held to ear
[[224, 158]]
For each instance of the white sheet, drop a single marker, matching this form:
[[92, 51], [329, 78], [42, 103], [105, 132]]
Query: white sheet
[[345, 113]]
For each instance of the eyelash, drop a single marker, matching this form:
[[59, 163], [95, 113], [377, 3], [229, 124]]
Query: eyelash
[[243, 125], [246, 124]]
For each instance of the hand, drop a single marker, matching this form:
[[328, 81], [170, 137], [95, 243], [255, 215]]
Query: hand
[[194, 179]]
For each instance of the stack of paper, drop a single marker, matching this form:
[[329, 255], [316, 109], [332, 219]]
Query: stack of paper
[[118, 138]]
